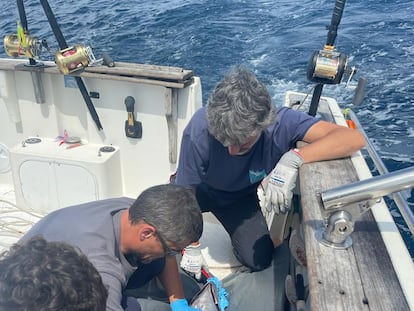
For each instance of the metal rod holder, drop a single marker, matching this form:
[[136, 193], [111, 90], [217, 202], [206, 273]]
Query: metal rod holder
[[343, 205]]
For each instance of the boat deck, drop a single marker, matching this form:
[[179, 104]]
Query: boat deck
[[361, 277]]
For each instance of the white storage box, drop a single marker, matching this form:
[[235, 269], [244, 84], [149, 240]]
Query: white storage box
[[49, 176]]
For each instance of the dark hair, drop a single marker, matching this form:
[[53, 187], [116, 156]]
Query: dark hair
[[49, 276], [172, 209], [239, 107]]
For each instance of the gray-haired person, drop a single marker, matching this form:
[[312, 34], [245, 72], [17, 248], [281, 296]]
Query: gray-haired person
[[49, 276], [132, 244], [237, 140]]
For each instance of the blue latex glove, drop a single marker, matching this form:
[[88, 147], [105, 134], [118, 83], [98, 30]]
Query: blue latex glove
[[182, 305], [223, 303]]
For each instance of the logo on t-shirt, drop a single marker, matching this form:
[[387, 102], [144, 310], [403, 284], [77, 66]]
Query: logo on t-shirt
[[256, 176]]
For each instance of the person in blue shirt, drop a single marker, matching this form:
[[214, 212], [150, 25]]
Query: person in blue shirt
[[233, 143]]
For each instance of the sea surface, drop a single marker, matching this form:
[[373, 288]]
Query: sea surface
[[273, 38]]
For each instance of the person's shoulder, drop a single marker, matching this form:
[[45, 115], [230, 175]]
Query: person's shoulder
[[282, 109], [104, 203], [199, 116], [197, 128], [283, 114], [287, 111], [127, 200], [287, 114]]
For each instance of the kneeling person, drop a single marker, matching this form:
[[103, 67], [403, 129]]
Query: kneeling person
[[131, 242]]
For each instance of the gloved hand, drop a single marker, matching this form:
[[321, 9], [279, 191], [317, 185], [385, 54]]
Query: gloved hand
[[182, 305], [278, 192], [192, 260]]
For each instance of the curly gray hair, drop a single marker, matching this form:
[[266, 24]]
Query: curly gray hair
[[239, 107]]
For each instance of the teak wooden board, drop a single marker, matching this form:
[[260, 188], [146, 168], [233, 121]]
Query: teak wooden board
[[358, 278]]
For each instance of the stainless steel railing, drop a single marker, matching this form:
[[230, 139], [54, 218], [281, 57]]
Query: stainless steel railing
[[368, 189], [388, 183]]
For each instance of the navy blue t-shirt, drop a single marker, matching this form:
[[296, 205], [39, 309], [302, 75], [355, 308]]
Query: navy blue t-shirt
[[203, 159]]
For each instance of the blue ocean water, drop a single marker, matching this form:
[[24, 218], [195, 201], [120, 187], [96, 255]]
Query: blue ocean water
[[273, 38]]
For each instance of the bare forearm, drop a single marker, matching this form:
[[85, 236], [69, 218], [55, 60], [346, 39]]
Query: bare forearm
[[171, 281], [339, 142]]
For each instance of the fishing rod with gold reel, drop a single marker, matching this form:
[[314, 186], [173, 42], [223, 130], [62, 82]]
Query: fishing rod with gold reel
[[68, 60], [328, 66], [71, 59], [22, 44], [74, 58]]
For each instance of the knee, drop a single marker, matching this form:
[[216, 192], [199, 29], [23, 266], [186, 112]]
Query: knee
[[262, 260], [260, 257]]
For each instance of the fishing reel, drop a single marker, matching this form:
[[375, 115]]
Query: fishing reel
[[26, 46], [328, 66], [74, 59]]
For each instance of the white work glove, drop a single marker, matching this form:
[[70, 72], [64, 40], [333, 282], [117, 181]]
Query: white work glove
[[278, 192], [192, 260]]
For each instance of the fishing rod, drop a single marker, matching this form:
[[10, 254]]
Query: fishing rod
[[22, 43], [336, 19], [22, 15], [71, 59], [327, 66], [25, 45], [23, 23]]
